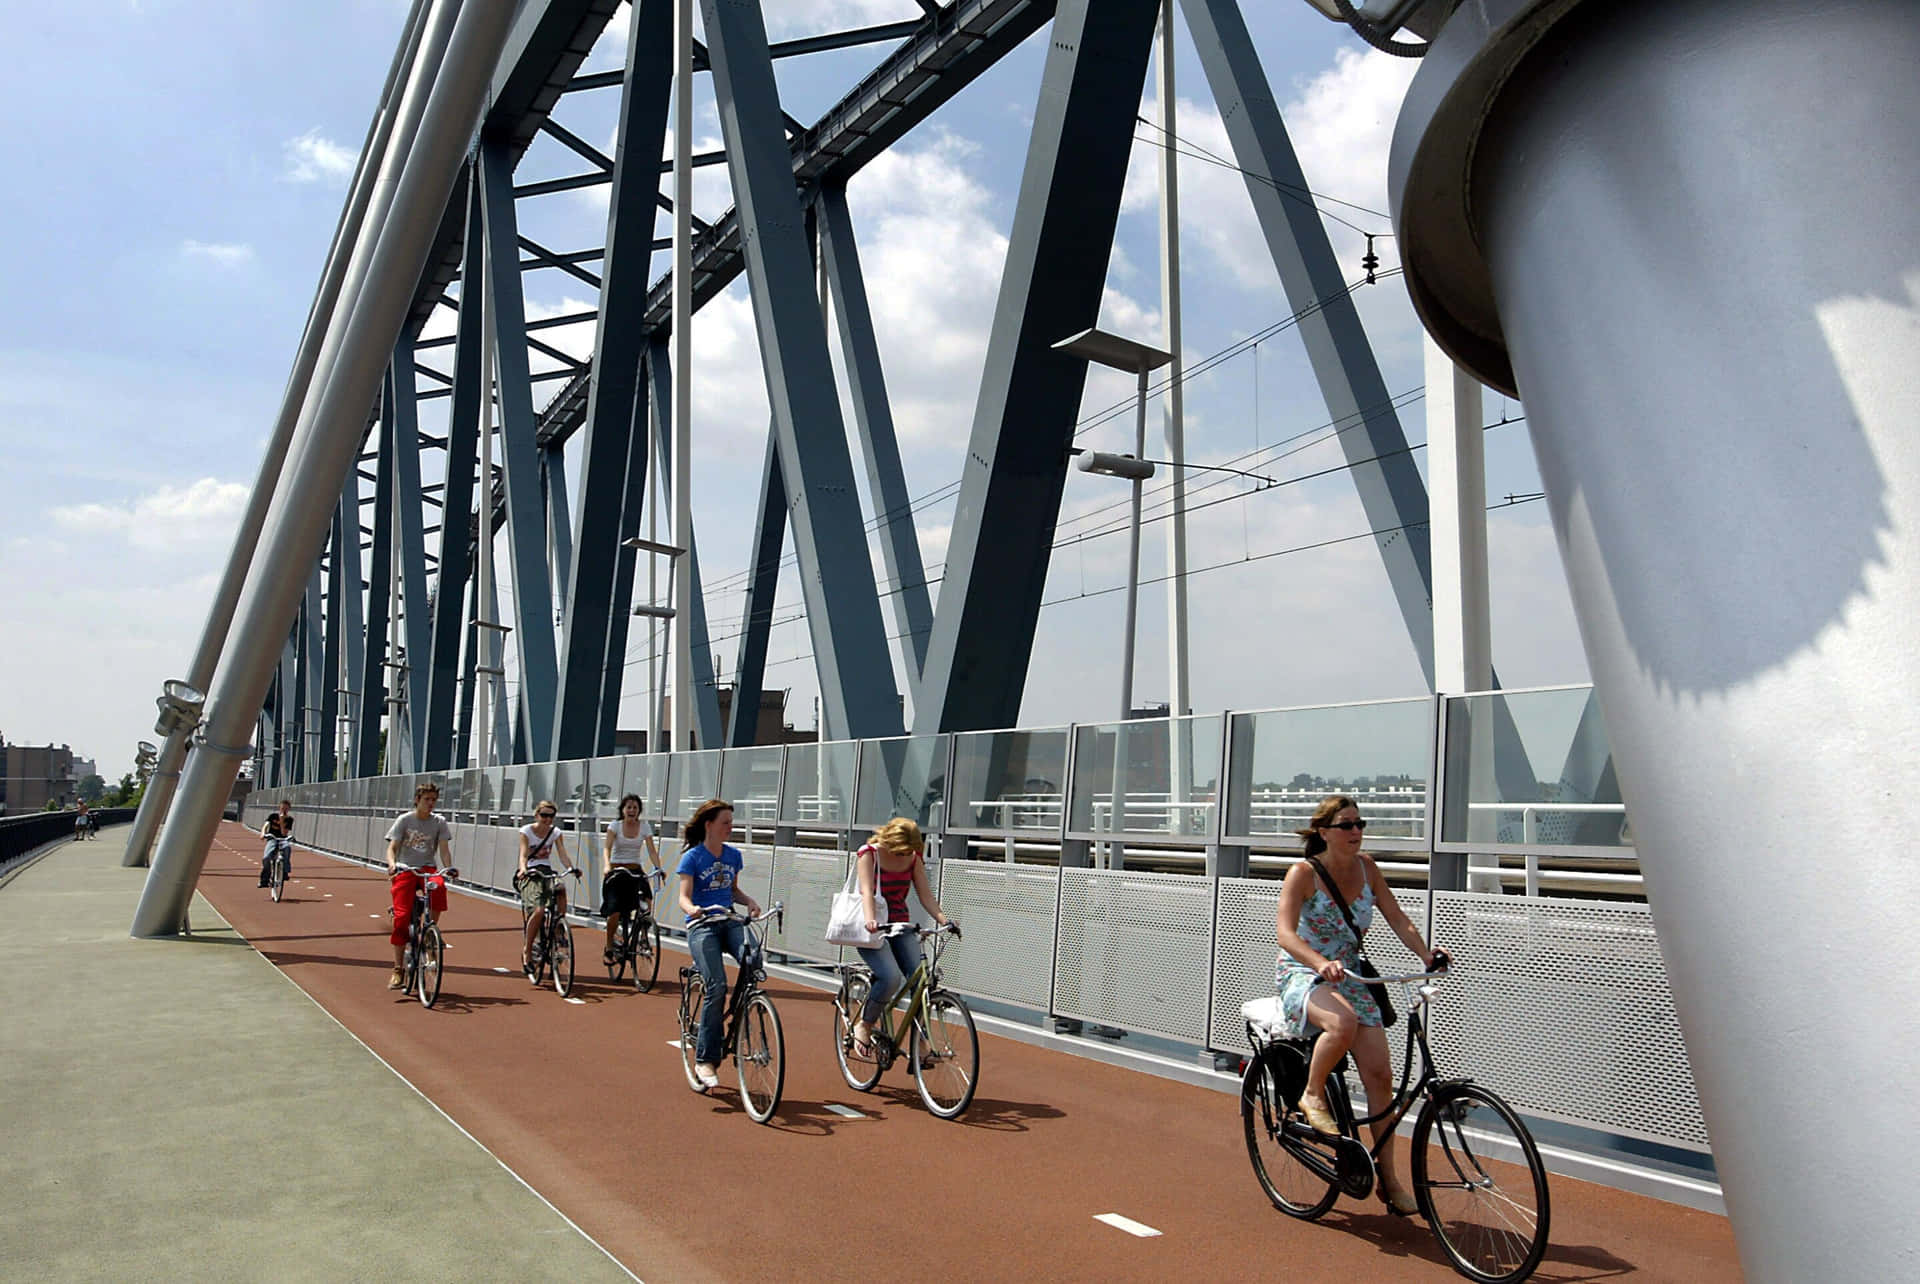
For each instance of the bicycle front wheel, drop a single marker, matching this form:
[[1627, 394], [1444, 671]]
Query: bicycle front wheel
[[432, 959], [560, 954], [279, 879], [760, 1057], [946, 1055], [1288, 1166], [622, 945], [646, 957], [1481, 1185], [693, 994], [860, 1074]]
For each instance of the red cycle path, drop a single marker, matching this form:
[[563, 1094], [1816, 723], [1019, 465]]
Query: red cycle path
[[588, 1104]]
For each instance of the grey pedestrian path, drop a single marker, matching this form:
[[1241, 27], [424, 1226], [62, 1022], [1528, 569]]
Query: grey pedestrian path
[[179, 1110]]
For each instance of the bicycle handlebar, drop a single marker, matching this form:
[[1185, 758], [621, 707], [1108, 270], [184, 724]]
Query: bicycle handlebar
[[715, 915], [448, 872], [901, 929], [629, 872]]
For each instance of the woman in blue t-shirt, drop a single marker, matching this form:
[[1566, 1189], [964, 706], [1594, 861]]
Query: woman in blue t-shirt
[[709, 887]]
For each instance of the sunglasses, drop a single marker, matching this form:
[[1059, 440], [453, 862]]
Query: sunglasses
[[545, 815], [1348, 824]]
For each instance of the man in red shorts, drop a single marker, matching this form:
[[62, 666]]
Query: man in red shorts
[[414, 843]]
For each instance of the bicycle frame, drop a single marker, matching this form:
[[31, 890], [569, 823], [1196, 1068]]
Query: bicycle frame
[[745, 986], [922, 983]]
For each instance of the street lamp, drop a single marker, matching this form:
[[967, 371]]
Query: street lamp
[[179, 703], [1110, 350]]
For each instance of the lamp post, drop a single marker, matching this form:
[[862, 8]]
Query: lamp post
[[1110, 350]]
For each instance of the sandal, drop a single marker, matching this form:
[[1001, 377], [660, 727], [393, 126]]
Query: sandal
[[1398, 1201], [863, 1044], [607, 956], [1318, 1117]]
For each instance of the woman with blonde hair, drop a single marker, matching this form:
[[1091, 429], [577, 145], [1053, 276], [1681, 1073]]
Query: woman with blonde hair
[[891, 862], [1316, 975]]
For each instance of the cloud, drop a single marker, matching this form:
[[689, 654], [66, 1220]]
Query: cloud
[[219, 254], [314, 158], [168, 519]]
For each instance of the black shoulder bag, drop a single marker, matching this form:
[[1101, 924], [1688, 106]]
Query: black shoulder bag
[[1361, 968]]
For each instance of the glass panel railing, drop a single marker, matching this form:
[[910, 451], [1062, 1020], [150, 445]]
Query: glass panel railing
[[539, 789], [695, 778], [510, 795], [818, 790], [750, 780], [1009, 781], [473, 788], [570, 793], [903, 776], [1287, 760], [645, 775], [602, 806], [453, 794], [1531, 768], [1151, 776]]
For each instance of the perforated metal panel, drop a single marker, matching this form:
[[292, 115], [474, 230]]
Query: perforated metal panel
[[806, 881], [1564, 1008], [1132, 950], [1006, 913], [1245, 953]]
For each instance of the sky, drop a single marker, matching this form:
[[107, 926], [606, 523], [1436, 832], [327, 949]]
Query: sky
[[170, 224]]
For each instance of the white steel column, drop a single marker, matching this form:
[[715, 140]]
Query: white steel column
[[1179, 694], [682, 711], [484, 638], [1462, 624]]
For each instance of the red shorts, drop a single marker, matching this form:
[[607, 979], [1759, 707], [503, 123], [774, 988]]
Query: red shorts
[[405, 883]]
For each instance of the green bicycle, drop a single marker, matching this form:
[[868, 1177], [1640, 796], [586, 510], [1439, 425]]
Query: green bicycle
[[942, 1044]]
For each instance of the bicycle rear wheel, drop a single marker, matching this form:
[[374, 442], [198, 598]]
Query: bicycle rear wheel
[[860, 1075], [560, 953], [693, 994], [760, 1057], [1481, 1185], [646, 957], [946, 1054], [1281, 1161], [432, 956]]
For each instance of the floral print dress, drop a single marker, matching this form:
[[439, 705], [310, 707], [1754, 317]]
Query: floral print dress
[[1324, 929]]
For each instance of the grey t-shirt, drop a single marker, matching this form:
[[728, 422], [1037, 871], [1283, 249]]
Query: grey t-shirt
[[419, 839]]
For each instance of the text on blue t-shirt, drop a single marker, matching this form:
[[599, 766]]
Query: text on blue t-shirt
[[712, 875]]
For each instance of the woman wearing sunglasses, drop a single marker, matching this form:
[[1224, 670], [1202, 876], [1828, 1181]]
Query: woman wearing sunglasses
[[1315, 975], [541, 843]]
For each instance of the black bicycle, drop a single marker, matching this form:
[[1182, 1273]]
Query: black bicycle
[[551, 957], [1476, 1171], [751, 1035], [279, 857], [422, 962], [636, 942]]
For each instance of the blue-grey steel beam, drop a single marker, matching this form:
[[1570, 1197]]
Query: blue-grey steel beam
[[613, 666], [843, 611], [908, 86], [606, 485], [353, 655], [470, 659], [553, 502], [763, 579], [886, 479], [411, 542], [373, 671], [1056, 270], [334, 640], [1390, 486], [456, 511], [306, 668], [532, 589]]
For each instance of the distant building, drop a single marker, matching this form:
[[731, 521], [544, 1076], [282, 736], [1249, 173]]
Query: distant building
[[31, 776], [772, 727]]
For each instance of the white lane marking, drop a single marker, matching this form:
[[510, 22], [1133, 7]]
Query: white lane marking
[[328, 895], [845, 1112], [1126, 1224], [573, 1000], [504, 971], [373, 916], [673, 1043], [349, 904]]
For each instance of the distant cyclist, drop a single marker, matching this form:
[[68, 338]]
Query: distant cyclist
[[627, 840], [541, 843], [415, 842], [278, 833], [80, 823]]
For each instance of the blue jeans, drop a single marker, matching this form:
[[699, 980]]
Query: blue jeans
[[892, 962], [706, 943]]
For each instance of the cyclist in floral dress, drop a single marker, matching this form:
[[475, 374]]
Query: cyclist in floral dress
[[1317, 985]]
